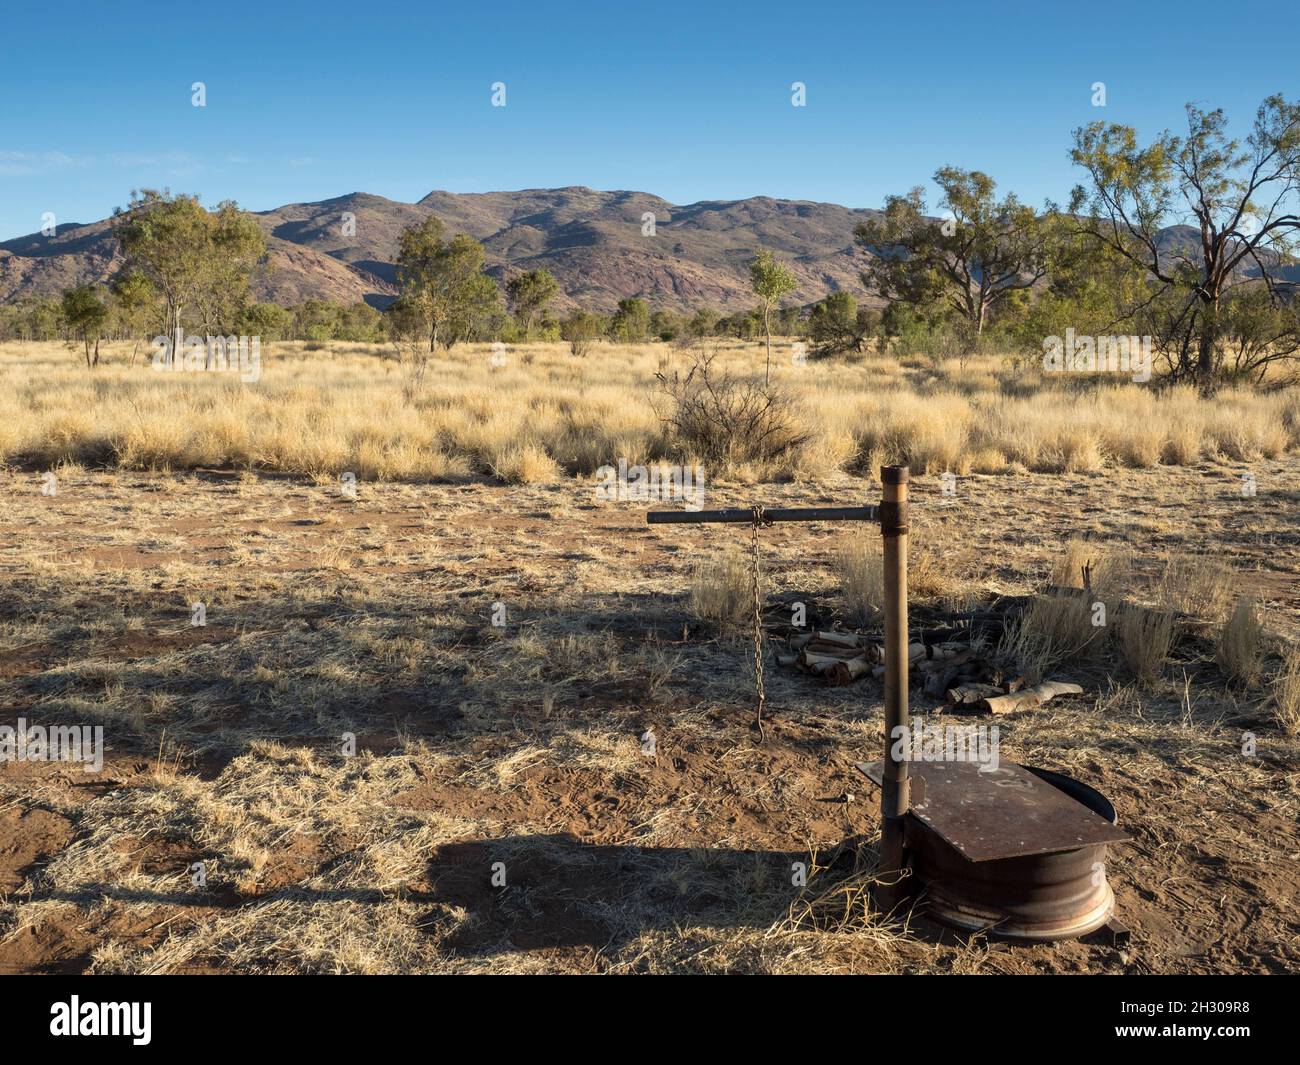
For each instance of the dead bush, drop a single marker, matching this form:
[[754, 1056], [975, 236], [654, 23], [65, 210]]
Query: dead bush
[[726, 420]]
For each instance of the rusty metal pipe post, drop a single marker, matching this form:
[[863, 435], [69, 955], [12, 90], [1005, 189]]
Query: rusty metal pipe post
[[895, 789]]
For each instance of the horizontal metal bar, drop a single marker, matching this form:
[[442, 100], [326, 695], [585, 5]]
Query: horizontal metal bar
[[746, 515]]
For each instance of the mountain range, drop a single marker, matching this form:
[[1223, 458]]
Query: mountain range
[[601, 247]]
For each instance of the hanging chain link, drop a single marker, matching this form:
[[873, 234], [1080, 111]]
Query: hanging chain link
[[758, 621]]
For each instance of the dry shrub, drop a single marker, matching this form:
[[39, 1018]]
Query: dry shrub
[[1095, 566], [453, 409], [1077, 452], [988, 460], [525, 464], [424, 413], [1200, 587], [1139, 447], [860, 567], [1182, 446], [1291, 419], [861, 570], [1244, 436], [727, 420], [722, 589], [1240, 644], [1286, 693], [822, 456], [1145, 639], [1067, 571], [930, 575], [1052, 630]]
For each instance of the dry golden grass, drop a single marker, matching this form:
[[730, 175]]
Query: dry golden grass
[[1286, 692], [1200, 587], [1052, 630], [1241, 643], [1098, 566], [860, 567], [372, 616], [1145, 639], [722, 590], [545, 413]]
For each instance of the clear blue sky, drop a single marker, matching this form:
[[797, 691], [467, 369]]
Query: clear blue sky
[[689, 101]]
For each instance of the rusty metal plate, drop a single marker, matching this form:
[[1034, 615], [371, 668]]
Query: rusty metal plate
[[1006, 813]]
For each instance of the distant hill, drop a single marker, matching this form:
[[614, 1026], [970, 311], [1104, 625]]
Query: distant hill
[[593, 242]]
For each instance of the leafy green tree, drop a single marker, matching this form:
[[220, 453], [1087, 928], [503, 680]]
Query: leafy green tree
[[790, 322], [837, 323], [771, 282], [582, 329], [422, 304], [664, 325], [269, 321], [477, 313], [744, 325], [360, 323], [444, 289], [702, 322], [971, 259], [86, 316], [529, 294], [631, 321], [166, 239], [1090, 289], [134, 308], [237, 247], [38, 318], [915, 328], [1259, 330], [315, 321], [1241, 201], [199, 262]]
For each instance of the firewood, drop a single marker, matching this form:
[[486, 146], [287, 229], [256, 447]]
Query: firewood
[[954, 671], [847, 672], [822, 647], [1028, 698], [932, 636], [944, 664], [845, 639], [817, 662], [936, 652], [969, 694], [832, 650]]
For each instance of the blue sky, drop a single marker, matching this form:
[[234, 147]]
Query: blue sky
[[689, 101]]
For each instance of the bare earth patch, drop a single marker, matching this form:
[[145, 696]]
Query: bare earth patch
[[514, 751]]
